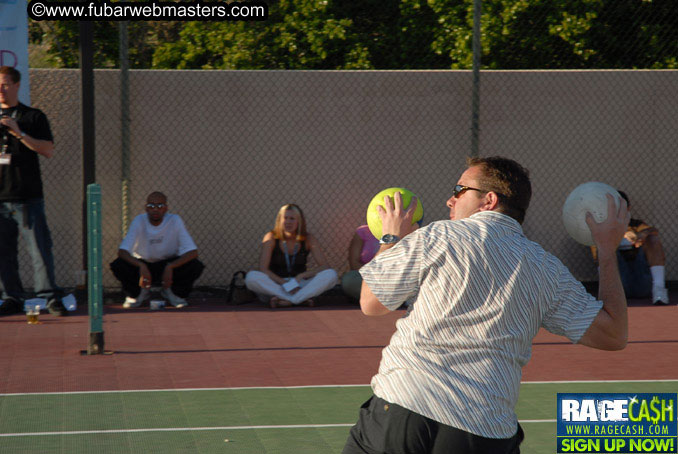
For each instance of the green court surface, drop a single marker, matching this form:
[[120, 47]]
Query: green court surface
[[300, 420]]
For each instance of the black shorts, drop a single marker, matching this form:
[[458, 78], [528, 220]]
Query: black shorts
[[384, 427]]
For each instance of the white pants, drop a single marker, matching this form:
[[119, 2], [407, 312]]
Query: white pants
[[261, 284]]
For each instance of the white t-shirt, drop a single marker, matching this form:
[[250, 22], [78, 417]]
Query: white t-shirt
[[154, 243]]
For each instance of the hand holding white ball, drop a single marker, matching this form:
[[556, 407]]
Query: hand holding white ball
[[598, 200]]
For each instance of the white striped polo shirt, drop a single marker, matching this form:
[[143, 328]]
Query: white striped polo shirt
[[482, 292]]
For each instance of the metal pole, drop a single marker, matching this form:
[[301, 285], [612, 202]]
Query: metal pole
[[124, 127], [94, 271], [475, 96], [87, 94]]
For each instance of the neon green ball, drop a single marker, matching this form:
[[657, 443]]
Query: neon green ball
[[373, 219]]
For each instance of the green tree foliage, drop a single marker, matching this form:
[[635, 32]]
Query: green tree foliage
[[61, 38], [312, 34], [566, 34], [62, 41], [299, 34], [394, 34], [635, 34], [397, 34]]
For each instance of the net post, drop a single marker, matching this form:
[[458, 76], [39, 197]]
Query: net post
[[95, 294]]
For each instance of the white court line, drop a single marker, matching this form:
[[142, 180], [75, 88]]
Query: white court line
[[116, 391], [189, 429], [668, 380]]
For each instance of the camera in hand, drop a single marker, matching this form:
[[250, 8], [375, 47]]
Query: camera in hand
[[4, 130], [4, 137]]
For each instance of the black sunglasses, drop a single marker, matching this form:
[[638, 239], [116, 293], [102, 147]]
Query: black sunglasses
[[155, 205], [459, 190]]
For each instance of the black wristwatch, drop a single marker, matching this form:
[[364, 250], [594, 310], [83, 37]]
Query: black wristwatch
[[388, 239]]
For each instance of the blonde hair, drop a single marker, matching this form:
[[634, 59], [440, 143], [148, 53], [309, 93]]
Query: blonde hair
[[278, 229]]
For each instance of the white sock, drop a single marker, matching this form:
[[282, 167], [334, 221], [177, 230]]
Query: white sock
[[658, 276]]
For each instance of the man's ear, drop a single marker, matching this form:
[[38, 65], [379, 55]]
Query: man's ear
[[491, 201]]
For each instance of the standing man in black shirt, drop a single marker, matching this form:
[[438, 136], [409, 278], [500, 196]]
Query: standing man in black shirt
[[24, 135]]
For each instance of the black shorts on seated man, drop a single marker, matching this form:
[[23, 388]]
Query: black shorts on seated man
[[157, 250]]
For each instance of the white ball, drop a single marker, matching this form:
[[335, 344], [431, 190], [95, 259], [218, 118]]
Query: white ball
[[587, 197]]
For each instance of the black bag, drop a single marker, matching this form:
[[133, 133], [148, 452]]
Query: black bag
[[237, 291]]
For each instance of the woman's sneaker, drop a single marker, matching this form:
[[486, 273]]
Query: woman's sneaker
[[138, 301]]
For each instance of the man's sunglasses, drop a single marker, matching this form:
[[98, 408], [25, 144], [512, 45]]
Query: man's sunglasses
[[155, 205], [459, 190]]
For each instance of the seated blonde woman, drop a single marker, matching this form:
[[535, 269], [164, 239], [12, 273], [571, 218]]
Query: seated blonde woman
[[282, 274]]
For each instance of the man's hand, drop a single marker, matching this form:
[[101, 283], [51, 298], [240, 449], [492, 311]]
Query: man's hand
[[632, 237], [394, 219], [639, 238], [11, 124], [144, 276], [167, 276], [609, 233]]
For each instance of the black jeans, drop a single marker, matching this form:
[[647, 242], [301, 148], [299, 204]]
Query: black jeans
[[182, 277], [386, 428]]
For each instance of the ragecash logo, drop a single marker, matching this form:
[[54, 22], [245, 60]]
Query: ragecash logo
[[621, 423]]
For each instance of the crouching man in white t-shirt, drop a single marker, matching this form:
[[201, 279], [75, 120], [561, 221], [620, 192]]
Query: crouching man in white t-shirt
[[157, 250]]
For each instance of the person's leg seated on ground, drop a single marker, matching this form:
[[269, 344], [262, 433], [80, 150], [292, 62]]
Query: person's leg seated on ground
[[128, 275], [259, 283], [184, 276], [656, 260], [625, 273], [351, 283], [318, 284], [638, 276]]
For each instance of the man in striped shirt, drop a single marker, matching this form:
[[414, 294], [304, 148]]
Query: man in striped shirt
[[448, 380]]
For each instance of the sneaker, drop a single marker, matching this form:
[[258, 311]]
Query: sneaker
[[10, 306], [138, 301], [175, 300], [56, 307], [660, 295]]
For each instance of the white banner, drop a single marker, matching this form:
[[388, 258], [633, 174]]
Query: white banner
[[14, 41]]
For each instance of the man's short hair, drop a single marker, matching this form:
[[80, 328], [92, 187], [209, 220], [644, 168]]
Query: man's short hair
[[157, 194], [13, 73], [509, 180]]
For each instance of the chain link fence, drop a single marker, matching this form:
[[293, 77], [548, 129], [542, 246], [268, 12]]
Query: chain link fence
[[230, 147]]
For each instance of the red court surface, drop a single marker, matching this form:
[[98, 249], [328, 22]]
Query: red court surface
[[214, 345]]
